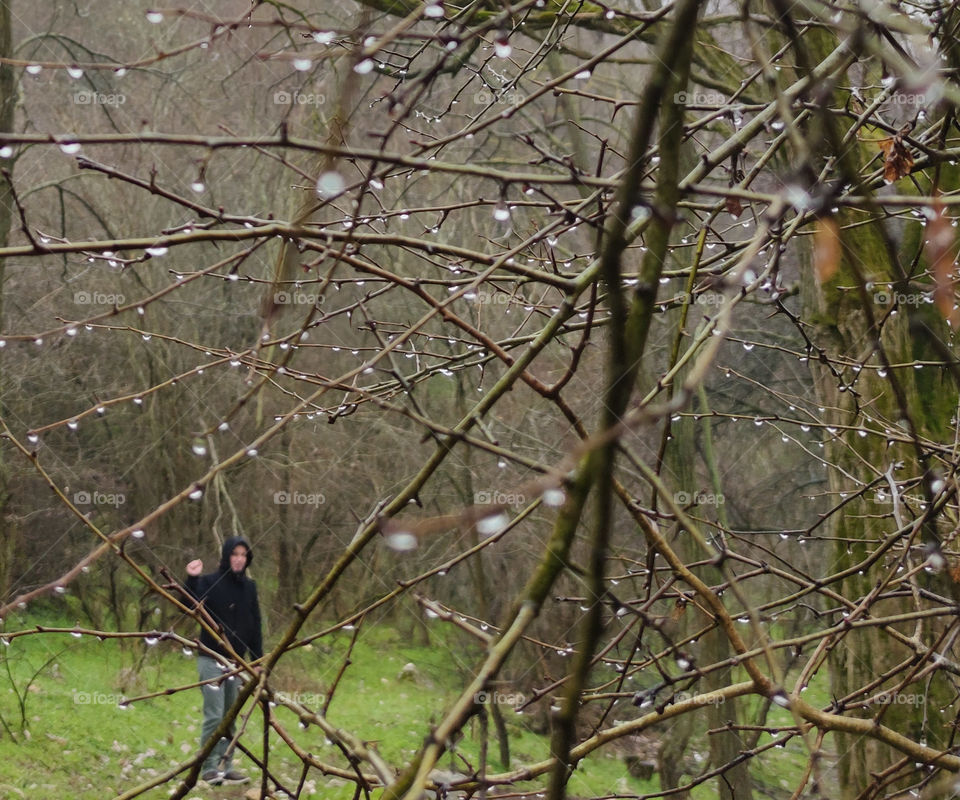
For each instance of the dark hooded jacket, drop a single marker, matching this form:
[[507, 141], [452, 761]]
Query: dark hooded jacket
[[231, 599]]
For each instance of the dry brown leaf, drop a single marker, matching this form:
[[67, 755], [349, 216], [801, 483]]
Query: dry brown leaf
[[678, 608], [826, 249], [897, 159], [734, 207], [941, 250], [955, 572]]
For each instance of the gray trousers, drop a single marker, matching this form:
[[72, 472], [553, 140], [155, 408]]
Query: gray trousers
[[217, 699]]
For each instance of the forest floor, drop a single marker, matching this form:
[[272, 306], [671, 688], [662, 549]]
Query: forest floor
[[64, 734]]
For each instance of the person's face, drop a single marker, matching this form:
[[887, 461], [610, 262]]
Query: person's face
[[238, 558]]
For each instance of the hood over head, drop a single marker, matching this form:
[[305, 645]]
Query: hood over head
[[227, 549]]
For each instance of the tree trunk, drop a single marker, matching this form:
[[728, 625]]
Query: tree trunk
[[8, 101], [849, 327]]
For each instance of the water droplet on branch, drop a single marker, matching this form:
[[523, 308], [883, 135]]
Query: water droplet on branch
[[492, 525], [330, 184], [401, 541], [554, 497]]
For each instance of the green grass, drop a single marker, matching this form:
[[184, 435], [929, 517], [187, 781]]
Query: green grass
[[74, 741]]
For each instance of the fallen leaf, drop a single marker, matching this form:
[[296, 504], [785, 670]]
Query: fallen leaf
[[826, 249]]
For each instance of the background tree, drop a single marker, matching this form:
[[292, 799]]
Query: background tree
[[609, 347]]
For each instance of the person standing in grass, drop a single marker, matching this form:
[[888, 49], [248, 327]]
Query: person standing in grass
[[230, 597]]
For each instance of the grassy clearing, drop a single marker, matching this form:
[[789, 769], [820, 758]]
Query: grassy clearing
[[74, 740], [59, 699]]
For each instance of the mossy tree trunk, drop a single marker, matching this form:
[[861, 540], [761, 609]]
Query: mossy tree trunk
[[855, 326]]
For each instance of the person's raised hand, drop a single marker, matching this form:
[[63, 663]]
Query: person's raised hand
[[195, 568]]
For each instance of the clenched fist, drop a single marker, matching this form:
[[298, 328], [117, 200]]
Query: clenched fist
[[195, 568]]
